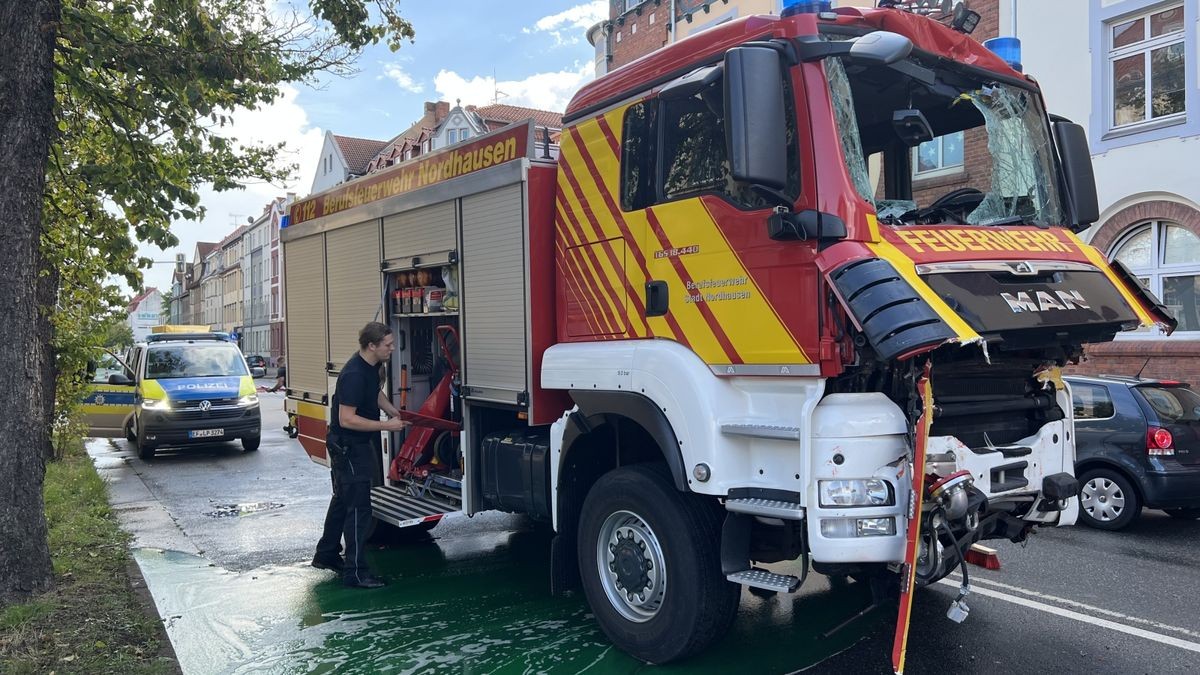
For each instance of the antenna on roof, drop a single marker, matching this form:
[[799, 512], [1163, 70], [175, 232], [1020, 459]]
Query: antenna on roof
[[496, 88], [1139, 372]]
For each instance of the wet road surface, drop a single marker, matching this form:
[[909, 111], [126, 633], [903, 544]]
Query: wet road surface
[[223, 538]]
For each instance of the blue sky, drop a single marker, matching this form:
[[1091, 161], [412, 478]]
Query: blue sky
[[536, 49]]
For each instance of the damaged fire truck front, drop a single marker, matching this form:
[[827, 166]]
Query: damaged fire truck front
[[717, 331]]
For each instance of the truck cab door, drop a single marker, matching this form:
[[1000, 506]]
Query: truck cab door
[[108, 401]]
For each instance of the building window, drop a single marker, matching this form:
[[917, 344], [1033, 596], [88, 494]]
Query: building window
[[1147, 68], [452, 136], [943, 155], [464, 134], [1166, 258], [631, 4]]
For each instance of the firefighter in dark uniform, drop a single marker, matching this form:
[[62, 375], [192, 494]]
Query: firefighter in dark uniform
[[352, 451]]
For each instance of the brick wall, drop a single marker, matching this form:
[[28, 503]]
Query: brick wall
[[637, 32], [1166, 359], [977, 163]]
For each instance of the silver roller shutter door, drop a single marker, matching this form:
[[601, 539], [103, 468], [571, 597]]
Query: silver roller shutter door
[[420, 231], [352, 267], [493, 294], [304, 291]]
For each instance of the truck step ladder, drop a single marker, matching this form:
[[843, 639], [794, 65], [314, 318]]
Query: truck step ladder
[[397, 506], [759, 429], [770, 508], [760, 578]]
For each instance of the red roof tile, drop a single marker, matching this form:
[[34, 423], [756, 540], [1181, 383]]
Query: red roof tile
[[132, 306], [507, 114], [358, 151]]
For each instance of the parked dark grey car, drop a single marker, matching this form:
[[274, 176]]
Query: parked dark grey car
[[1137, 445]]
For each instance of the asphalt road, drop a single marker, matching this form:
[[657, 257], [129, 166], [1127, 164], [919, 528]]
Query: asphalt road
[[1072, 600]]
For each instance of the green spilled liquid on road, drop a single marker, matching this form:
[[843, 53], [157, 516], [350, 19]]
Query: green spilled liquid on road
[[465, 605]]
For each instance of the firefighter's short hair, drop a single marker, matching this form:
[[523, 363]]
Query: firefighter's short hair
[[372, 334]]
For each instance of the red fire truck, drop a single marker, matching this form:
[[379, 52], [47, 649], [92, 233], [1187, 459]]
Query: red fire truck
[[690, 335]]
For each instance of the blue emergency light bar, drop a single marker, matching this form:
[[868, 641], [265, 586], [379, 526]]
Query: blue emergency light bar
[[793, 7], [1007, 48]]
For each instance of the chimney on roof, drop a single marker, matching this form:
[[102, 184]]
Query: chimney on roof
[[430, 106], [441, 111]]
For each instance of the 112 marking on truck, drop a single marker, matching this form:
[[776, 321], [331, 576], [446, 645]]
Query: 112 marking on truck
[[689, 336]]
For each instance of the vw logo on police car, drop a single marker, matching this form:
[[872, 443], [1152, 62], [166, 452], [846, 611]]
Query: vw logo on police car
[[205, 406]]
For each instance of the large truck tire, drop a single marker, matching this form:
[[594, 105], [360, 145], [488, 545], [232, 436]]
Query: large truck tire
[[649, 557]]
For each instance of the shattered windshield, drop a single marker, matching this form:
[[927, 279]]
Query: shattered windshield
[[888, 119]]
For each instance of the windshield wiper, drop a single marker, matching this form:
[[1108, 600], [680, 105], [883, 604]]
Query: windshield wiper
[[1007, 220]]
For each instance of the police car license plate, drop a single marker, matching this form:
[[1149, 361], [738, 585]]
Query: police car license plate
[[206, 433]]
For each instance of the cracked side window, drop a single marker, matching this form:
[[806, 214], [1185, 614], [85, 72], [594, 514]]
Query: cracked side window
[[847, 123]]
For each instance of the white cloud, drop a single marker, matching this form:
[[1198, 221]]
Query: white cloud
[[283, 121], [547, 91], [582, 17], [397, 74], [573, 22]]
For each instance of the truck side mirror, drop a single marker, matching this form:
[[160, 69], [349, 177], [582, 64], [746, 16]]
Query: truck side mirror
[[755, 122], [1077, 167]]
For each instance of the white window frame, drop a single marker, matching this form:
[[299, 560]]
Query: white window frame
[[942, 170], [1155, 273], [464, 134], [631, 5], [452, 136], [1144, 47]]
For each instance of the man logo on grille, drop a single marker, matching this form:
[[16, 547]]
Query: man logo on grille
[[205, 406]]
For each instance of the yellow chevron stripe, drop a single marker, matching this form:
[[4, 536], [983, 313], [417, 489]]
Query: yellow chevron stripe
[[1100, 261], [584, 287], [601, 274], [907, 269], [627, 280], [696, 332], [751, 324]]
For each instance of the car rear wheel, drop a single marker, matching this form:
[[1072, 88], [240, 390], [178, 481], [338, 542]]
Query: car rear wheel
[[1107, 500], [1184, 514]]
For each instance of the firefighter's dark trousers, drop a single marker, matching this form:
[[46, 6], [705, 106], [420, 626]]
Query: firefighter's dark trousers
[[351, 462]]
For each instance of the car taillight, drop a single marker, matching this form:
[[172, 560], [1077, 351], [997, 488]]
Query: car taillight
[[1159, 442]]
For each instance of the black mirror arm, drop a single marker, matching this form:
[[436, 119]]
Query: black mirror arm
[[773, 195], [811, 48]]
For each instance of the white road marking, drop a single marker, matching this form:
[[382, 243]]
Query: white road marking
[[1084, 618], [1081, 605]]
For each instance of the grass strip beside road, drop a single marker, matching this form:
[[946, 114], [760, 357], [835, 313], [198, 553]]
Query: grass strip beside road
[[93, 621]]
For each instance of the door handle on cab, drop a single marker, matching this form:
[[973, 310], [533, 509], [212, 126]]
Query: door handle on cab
[[657, 299]]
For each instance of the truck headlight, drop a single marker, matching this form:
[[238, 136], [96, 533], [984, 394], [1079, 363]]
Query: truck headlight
[[156, 404], [248, 400], [856, 492]]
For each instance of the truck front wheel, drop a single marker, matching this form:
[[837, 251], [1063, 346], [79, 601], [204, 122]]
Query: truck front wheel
[[650, 562]]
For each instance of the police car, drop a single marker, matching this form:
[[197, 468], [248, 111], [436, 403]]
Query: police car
[[177, 389]]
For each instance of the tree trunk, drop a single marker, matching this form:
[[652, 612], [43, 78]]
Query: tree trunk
[[27, 31]]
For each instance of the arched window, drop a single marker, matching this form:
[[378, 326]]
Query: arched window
[[1166, 257]]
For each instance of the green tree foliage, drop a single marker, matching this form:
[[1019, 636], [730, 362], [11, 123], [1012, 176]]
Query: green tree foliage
[[143, 93], [145, 90]]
